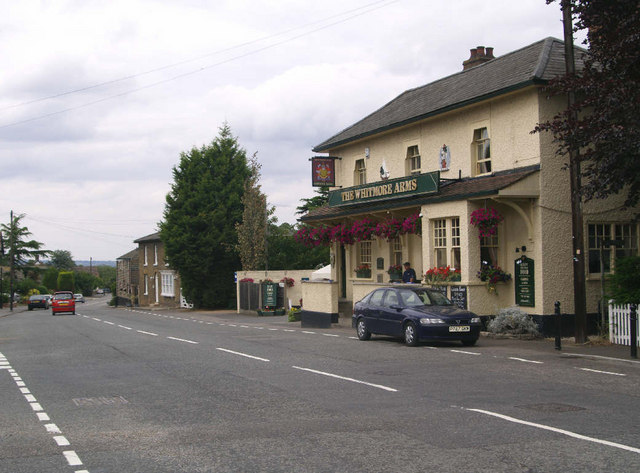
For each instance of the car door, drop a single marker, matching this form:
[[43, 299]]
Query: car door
[[372, 311], [390, 316]]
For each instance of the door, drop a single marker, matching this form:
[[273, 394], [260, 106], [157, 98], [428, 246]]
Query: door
[[390, 317]]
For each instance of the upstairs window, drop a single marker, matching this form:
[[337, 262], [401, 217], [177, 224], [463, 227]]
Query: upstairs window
[[413, 163], [360, 173], [146, 256], [155, 254], [482, 151], [617, 240]]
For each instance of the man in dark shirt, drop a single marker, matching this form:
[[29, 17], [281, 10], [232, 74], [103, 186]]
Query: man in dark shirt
[[409, 274]]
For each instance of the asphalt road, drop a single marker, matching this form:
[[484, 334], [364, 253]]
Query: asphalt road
[[121, 390]]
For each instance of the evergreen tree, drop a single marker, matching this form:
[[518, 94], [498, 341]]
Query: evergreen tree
[[320, 199], [252, 230], [66, 281], [62, 260], [200, 216]]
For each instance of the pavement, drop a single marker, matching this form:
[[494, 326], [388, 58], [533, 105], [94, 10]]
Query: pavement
[[596, 347]]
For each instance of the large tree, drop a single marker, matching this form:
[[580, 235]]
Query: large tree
[[201, 211], [62, 260], [255, 215], [604, 124]]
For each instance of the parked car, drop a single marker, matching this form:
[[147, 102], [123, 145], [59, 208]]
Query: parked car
[[38, 301], [99, 292], [415, 314], [63, 301], [79, 298]]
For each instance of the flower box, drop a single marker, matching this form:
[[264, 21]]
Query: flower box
[[363, 273]]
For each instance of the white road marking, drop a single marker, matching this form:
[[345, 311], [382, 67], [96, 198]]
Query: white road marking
[[466, 352], [274, 329], [147, 333], [52, 429], [61, 440], [599, 357], [20, 383], [308, 331], [242, 354], [30, 398], [72, 458], [109, 323], [36, 406], [602, 372], [331, 375], [330, 335], [525, 360], [125, 327], [96, 319], [559, 431], [25, 391], [353, 338], [286, 330], [183, 340], [42, 416]]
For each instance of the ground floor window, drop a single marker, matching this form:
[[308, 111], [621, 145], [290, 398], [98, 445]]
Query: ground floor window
[[489, 250], [396, 251], [617, 241], [364, 253], [167, 284], [446, 242]]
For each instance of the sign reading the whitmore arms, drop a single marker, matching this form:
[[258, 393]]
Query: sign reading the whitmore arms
[[525, 282], [382, 190]]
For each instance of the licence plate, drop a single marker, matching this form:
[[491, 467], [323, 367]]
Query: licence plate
[[460, 328], [63, 303]]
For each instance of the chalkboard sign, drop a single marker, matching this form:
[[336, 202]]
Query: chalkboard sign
[[459, 296], [525, 282], [269, 294], [441, 289], [380, 263]]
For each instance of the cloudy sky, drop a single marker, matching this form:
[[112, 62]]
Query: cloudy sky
[[98, 99]]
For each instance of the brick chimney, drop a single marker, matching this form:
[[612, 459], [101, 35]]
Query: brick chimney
[[478, 56]]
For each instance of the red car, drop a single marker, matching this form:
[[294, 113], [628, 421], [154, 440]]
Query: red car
[[63, 301]]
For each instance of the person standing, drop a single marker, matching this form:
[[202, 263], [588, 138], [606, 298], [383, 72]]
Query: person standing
[[409, 275]]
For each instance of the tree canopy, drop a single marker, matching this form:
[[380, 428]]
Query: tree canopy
[[19, 251], [62, 260], [201, 211], [604, 124], [321, 198]]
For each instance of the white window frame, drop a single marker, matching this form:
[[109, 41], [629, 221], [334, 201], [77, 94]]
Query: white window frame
[[155, 254], [440, 242], [413, 160], [360, 172], [482, 151], [146, 259], [167, 284], [624, 231], [396, 251], [364, 253], [146, 284], [455, 243]]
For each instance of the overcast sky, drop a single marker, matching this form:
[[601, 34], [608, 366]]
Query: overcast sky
[[98, 99]]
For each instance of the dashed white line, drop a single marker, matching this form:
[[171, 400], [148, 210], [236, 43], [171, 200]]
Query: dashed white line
[[308, 331], [125, 327], [466, 352], [525, 360], [183, 340], [147, 333], [242, 354], [61, 440], [42, 416], [30, 398], [287, 330], [559, 431], [52, 429], [331, 375], [602, 372], [72, 458], [330, 335], [108, 323], [36, 406]]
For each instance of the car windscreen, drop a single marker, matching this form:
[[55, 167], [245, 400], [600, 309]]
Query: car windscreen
[[36, 298], [63, 296], [420, 297]]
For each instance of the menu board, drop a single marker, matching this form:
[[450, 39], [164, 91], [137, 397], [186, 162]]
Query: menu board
[[459, 296], [525, 282]]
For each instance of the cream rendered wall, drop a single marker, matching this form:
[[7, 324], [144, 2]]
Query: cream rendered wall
[[509, 120]]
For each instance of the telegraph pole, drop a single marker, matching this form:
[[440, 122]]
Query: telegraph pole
[[577, 225], [12, 244]]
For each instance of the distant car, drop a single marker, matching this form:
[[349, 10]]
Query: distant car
[[38, 302], [415, 314], [79, 298], [48, 297], [99, 292], [107, 290], [63, 301]]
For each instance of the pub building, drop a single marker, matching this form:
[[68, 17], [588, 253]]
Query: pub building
[[449, 177]]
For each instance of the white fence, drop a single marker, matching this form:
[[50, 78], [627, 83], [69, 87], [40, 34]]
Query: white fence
[[620, 326]]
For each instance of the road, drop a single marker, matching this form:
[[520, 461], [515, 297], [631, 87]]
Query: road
[[122, 390]]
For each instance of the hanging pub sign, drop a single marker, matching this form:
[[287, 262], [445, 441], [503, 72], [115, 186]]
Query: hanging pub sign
[[525, 282], [323, 171]]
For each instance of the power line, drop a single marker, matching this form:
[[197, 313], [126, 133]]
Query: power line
[[360, 11]]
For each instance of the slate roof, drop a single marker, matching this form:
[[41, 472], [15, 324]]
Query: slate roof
[[152, 237], [132, 254], [449, 190], [531, 65]]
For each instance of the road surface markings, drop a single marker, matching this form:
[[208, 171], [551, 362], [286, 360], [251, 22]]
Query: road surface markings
[[330, 335], [466, 352], [183, 340], [331, 375], [125, 327], [559, 431], [96, 319], [108, 323], [569, 355], [525, 360], [602, 372], [147, 333], [286, 330], [71, 456], [242, 354], [308, 331]]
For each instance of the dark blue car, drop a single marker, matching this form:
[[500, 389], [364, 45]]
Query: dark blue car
[[415, 314]]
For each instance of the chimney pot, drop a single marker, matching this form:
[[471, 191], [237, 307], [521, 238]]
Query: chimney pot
[[489, 53], [480, 51]]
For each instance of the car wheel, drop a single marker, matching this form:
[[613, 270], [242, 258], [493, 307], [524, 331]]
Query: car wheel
[[410, 334], [363, 332], [469, 343], [73, 313]]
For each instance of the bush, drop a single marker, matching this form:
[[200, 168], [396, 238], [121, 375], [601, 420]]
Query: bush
[[624, 283], [513, 321]]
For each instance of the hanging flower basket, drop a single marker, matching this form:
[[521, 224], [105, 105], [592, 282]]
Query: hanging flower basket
[[492, 276], [486, 221]]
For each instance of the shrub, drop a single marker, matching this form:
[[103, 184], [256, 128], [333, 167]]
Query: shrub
[[513, 321]]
